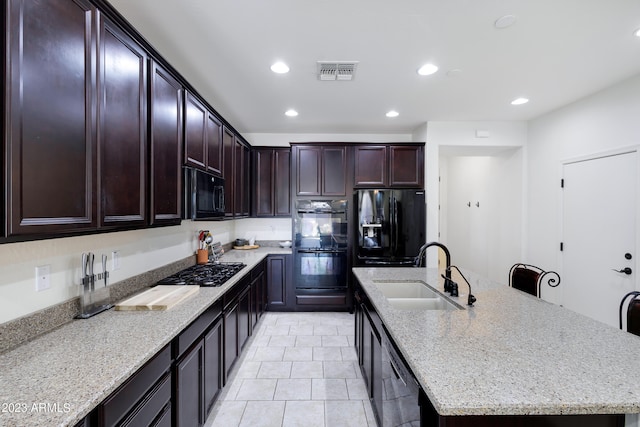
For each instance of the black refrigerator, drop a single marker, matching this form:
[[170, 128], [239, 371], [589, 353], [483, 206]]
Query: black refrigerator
[[390, 226]]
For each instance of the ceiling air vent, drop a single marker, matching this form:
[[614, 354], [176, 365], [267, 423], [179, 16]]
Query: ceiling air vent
[[336, 70]]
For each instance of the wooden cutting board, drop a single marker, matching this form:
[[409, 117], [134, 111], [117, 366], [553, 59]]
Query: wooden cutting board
[[245, 247], [161, 297]]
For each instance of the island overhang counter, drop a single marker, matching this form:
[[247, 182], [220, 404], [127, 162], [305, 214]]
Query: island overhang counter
[[510, 354]]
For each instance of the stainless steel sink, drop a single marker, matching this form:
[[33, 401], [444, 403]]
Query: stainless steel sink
[[422, 304], [405, 289], [413, 295]]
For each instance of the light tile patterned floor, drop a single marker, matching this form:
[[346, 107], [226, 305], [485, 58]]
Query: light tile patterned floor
[[298, 369]]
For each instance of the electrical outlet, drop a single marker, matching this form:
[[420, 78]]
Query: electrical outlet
[[115, 260], [43, 279]]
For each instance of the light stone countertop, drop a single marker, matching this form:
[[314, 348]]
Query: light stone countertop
[[511, 353], [58, 378]]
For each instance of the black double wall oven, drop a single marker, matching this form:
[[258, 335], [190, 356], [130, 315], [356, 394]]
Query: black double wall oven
[[320, 249]]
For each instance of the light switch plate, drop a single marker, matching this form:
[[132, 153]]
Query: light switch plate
[[43, 279]]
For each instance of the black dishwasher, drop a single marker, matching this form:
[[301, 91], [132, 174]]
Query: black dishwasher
[[400, 389]]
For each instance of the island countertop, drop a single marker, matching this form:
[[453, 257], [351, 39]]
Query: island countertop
[[509, 354], [58, 378]]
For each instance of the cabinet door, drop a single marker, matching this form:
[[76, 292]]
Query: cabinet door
[[195, 115], [166, 145], [406, 166], [241, 180], [277, 282], [370, 166], [244, 318], [228, 150], [214, 144], [271, 182], [189, 390], [212, 366], [230, 339], [308, 171], [334, 171], [282, 182], [122, 129], [263, 187], [50, 131]]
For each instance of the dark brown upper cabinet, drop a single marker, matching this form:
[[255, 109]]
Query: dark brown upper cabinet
[[228, 151], [271, 182], [122, 129], [50, 110], [370, 166], [392, 165], [214, 144], [202, 137], [406, 166], [241, 188], [166, 147], [320, 170]]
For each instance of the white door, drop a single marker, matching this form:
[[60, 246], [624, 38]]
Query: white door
[[599, 234]]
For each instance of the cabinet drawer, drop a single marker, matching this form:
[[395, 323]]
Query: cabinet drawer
[[164, 420], [192, 332], [120, 403], [152, 405]]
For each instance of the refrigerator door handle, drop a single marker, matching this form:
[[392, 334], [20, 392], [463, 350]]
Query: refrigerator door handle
[[395, 226], [391, 225]]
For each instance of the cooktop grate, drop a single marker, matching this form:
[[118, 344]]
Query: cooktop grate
[[204, 275]]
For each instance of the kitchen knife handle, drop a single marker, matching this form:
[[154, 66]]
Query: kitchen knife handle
[[104, 269]]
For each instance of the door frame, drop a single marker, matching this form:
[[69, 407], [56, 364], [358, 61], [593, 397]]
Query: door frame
[[595, 156]]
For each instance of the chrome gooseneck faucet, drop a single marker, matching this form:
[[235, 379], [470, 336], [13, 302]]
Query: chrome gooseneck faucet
[[449, 285]]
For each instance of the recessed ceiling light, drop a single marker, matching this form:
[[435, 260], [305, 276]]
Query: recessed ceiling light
[[505, 22], [427, 69], [392, 113], [519, 101], [280, 68], [637, 32], [291, 113]]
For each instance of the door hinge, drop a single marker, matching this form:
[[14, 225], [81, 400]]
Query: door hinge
[[561, 246], [562, 183]]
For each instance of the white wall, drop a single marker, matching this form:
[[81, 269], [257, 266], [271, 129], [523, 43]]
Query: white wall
[[485, 237], [604, 121], [460, 139]]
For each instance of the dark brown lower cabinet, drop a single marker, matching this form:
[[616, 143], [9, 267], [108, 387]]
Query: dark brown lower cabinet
[[212, 365], [259, 293], [244, 318], [143, 398], [369, 349], [199, 378], [280, 290], [230, 338], [189, 388]]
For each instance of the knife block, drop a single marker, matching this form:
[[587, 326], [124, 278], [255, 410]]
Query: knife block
[[92, 300]]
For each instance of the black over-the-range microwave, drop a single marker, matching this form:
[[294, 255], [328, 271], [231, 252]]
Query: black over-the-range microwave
[[203, 195]]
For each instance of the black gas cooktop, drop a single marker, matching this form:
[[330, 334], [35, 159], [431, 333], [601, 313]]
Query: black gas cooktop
[[204, 275]]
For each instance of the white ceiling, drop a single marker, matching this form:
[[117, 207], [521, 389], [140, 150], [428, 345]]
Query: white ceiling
[[557, 52]]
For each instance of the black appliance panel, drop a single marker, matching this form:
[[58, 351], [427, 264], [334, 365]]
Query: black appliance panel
[[321, 269], [400, 391], [321, 224], [320, 249], [391, 226], [204, 195]]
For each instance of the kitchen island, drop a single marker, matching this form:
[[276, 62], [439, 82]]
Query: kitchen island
[[509, 354], [60, 377]]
